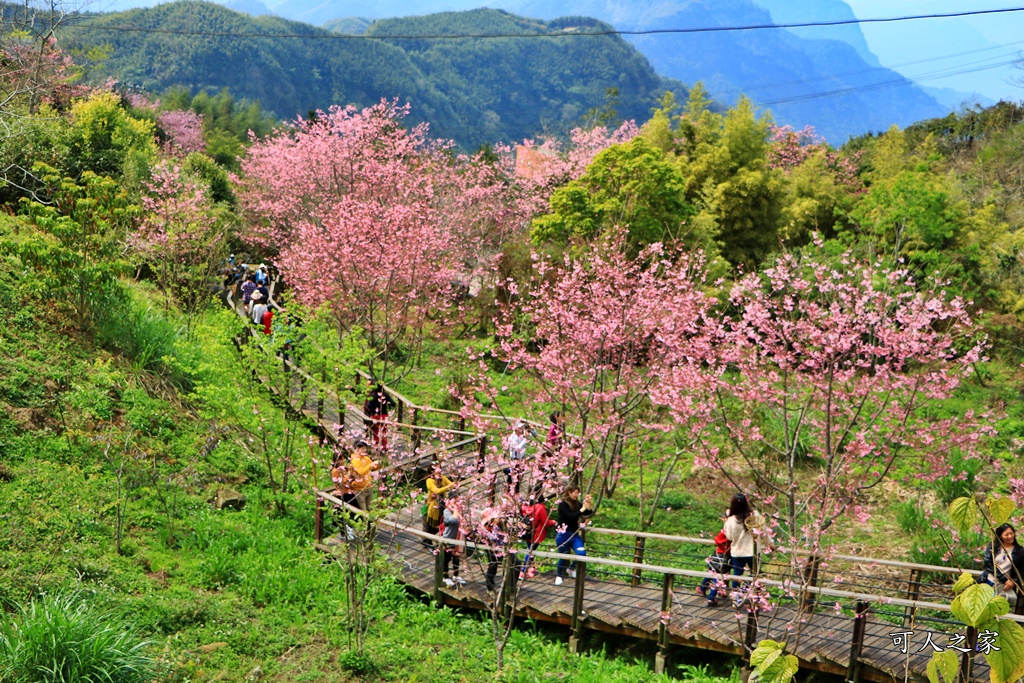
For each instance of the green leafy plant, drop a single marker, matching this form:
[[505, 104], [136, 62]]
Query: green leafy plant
[[61, 638], [978, 606], [771, 664]]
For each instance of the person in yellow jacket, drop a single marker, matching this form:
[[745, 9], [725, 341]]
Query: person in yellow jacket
[[437, 486], [360, 476]]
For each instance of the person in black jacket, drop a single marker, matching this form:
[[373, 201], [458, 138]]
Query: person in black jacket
[[1004, 563], [567, 534]]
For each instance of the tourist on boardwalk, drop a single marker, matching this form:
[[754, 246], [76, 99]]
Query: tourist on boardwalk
[[720, 563], [361, 468], [553, 443], [741, 542], [247, 288], [376, 409], [264, 291], [268, 321], [515, 445], [536, 523], [259, 307], [572, 514], [437, 486], [340, 475], [452, 518], [1004, 563], [261, 275], [496, 540]]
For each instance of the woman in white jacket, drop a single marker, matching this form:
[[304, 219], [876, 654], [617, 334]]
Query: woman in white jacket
[[742, 541]]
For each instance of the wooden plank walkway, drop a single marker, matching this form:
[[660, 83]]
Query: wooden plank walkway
[[821, 639], [615, 606]]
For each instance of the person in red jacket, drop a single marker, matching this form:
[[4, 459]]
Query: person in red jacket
[[540, 522], [268, 320]]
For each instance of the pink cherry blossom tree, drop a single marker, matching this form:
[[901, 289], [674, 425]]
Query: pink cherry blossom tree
[[184, 130], [182, 237], [595, 331], [821, 383], [373, 219]]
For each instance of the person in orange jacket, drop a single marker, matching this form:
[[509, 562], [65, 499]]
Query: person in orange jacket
[[360, 476]]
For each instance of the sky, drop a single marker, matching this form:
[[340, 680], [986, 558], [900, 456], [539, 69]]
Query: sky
[[976, 42]]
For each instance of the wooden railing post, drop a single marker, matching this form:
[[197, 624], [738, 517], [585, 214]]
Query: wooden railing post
[[415, 431], [967, 658], [578, 615], [811, 579], [638, 558], [481, 454], [318, 519], [320, 395], [913, 593], [750, 635], [661, 658], [401, 411], [857, 644], [439, 574], [508, 583], [462, 423]]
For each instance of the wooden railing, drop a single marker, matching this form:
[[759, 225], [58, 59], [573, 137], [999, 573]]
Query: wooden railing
[[668, 579]]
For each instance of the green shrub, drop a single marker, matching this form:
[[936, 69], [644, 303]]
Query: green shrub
[[910, 517], [962, 480], [60, 639]]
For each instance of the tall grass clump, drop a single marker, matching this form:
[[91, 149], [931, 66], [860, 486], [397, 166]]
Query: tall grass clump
[[129, 325], [61, 639]]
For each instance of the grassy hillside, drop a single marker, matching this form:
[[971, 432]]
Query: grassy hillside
[[108, 464]]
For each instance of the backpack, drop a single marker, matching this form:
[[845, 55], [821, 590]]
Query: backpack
[[722, 542]]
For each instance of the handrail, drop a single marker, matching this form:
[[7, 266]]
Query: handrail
[[806, 553], [660, 569]]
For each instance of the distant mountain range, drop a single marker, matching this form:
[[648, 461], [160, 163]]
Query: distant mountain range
[[473, 91], [827, 77]]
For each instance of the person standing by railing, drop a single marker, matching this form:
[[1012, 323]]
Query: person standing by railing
[[376, 409], [536, 522], [452, 518], [437, 486], [361, 468], [741, 543], [572, 514], [259, 307], [1004, 564], [515, 445]]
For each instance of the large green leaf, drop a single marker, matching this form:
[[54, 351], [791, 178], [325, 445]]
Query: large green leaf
[[790, 667], [999, 510], [1007, 663], [767, 663], [964, 514], [972, 606], [965, 581], [943, 667], [764, 648]]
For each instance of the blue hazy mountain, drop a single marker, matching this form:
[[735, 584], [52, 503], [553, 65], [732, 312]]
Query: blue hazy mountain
[[473, 91], [976, 52], [796, 12], [778, 69], [825, 78]]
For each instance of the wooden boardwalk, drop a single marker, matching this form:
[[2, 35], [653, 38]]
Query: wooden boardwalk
[[618, 597]]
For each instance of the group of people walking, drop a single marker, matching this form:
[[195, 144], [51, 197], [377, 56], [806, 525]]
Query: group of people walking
[[529, 520]]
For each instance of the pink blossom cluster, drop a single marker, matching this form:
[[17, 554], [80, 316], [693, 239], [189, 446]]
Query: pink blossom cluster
[[184, 130], [790, 148]]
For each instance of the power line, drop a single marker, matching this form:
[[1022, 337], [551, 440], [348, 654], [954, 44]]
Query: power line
[[883, 84], [861, 72], [561, 34]]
